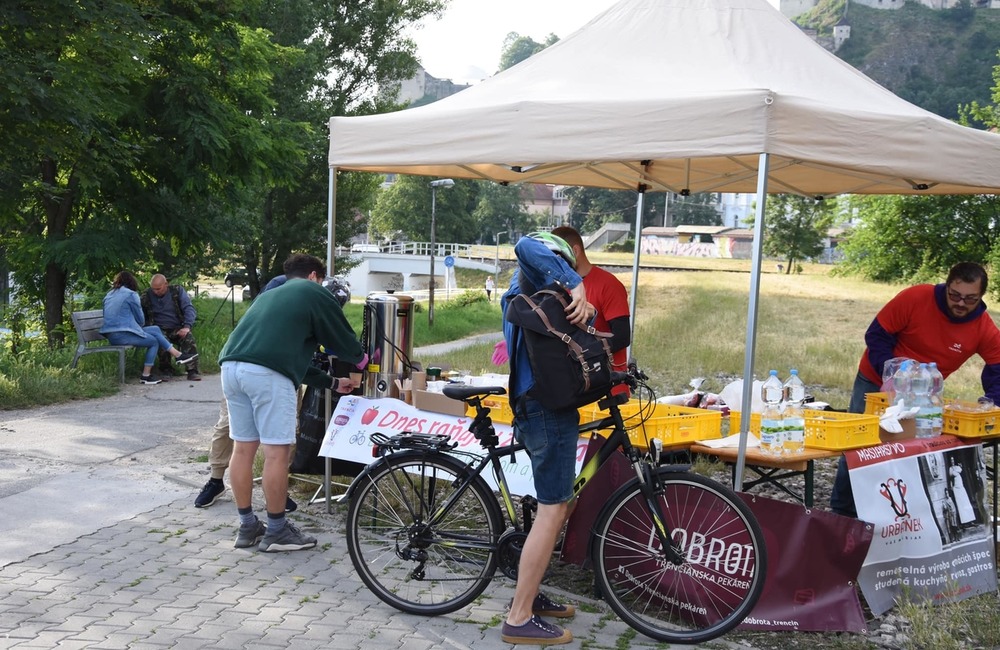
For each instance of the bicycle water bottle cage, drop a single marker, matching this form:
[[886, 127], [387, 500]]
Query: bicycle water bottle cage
[[410, 440]]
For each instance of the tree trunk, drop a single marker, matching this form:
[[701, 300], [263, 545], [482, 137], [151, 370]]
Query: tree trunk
[[58, 205]]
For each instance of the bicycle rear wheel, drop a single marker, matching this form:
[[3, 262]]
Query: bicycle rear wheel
[[416, 566], [718, 583]]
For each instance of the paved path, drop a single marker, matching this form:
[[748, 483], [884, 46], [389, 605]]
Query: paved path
[[102, 547]]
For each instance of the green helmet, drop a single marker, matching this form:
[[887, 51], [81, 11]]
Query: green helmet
[[557, 245]]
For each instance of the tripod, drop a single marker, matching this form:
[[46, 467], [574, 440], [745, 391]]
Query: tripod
[[231, 297]]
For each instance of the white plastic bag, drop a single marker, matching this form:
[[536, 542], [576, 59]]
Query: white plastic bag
[[732, 395]]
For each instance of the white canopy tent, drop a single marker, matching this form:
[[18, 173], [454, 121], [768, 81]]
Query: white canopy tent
[[675, 95]]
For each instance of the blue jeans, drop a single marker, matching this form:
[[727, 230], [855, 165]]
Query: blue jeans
[[550, 438], [842, 496], [152, 341]]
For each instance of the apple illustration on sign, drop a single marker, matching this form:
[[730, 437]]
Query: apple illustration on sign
[[369, 416]]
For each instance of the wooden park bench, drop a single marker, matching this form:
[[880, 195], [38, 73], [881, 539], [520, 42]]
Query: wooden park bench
[[90, 340]]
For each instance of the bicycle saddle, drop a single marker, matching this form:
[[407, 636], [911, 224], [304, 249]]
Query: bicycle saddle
[[462, 392]]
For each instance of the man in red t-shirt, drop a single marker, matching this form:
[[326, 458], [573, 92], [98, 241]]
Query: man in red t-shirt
[[944, 323], [607, 294]]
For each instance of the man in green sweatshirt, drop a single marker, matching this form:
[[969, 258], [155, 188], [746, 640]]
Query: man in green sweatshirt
[[265, 359]]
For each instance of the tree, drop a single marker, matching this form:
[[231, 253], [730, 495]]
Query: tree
[[500, 208], [695, 210], [907, 238], [166, 135], [517, 48], [405, 209], [795, 227]]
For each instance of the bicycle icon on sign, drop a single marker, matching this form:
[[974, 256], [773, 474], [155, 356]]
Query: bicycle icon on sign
[[358, 439]]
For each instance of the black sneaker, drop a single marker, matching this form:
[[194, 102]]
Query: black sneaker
[[535, 632], [290, 506], [209, 494], [186, 358], [149, 379], [545, 606], [250, 535], [288, 538]]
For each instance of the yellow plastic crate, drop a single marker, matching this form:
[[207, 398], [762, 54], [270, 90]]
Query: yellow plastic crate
[[677, 425], [500, 410], [825, 429], [735, 423], [876, 403], [836, 431], [969, 423], [502, 413]]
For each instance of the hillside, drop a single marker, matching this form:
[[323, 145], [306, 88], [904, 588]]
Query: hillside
[[936, 59]]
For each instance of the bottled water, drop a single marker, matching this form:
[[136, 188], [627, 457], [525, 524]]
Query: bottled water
[[795, 422], [772, 426], [937, 398], [920, 387], [901, 384]]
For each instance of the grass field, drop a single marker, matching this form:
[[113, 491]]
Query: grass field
[[693, 323]]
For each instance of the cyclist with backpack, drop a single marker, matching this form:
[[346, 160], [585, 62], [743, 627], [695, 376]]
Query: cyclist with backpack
[[550, 436]]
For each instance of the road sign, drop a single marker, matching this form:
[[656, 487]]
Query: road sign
[[449, 261]]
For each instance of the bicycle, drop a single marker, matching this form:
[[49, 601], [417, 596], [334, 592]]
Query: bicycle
[[678, 556]]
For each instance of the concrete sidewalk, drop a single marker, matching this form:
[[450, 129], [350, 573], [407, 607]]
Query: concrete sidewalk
[[104, 548]]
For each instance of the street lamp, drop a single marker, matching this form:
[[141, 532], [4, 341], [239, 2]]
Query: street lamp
[[496, 260], [443, 182]]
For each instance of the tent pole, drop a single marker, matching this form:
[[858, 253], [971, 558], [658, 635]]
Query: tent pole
[[751, 339], [331, 219], [635, 271]]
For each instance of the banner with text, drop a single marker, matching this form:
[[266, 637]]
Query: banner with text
[[926, 501], [800, 593], [356, 418]]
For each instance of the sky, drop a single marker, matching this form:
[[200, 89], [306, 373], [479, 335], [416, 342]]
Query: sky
[[465, 44]]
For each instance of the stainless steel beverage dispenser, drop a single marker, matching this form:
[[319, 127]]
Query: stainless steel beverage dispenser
[[387, 337]]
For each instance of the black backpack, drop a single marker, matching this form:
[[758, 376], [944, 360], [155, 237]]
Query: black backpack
[[571, 364]]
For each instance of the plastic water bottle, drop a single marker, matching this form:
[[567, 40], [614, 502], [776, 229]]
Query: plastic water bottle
[[920, 386], [795, 421], [772, 425], [937, 398], [901, 384]]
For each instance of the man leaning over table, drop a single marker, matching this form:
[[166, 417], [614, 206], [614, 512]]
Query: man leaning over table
[[943, 323], [266, 357]]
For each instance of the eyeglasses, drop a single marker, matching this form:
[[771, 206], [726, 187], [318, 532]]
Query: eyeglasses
[[955, 296]]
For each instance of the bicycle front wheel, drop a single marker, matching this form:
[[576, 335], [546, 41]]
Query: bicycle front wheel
[[409, 553], [724, 566]]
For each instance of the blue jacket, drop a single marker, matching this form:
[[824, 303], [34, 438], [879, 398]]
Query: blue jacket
[[122, 312], [542, 269]]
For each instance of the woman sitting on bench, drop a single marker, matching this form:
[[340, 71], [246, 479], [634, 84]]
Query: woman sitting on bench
[[123, 319]]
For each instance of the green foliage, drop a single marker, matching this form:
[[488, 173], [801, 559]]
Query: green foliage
[[590, 208], [794, 227], [517, 48], [171, 137], [403, 211], [914, 238], [695, 210], [626, 245], [985, 115], [824, 16], [936, 59]]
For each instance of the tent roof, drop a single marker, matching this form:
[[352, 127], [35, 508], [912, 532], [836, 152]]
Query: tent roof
[[679, 94]]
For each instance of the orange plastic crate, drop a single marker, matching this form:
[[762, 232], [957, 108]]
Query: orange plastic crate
[[962, 419]]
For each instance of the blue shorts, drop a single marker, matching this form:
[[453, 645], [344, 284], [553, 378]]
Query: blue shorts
[[550, 437], [261, 403]]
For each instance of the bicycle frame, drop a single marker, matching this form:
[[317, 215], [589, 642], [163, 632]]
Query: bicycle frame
[[483, 430]]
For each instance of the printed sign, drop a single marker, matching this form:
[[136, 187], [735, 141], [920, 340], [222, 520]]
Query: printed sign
[[932, 538], [356, 418]]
